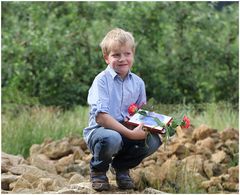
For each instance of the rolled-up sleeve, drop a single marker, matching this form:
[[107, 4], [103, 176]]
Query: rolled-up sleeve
[[98, 97], [142, 94]]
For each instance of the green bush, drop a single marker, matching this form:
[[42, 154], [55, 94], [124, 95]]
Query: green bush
[[187, 51]]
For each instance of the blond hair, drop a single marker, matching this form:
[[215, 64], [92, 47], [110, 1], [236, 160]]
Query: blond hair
[[115, 38]]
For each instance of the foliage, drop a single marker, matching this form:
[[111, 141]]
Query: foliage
[[34, 125], [186, 52]]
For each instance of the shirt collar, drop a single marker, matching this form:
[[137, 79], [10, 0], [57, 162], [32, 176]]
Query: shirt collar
[[114, 74]]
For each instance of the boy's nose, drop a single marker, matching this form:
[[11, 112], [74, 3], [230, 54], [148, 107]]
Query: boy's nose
[[122, 57]]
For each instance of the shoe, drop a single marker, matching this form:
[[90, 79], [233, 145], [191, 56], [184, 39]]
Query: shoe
[[123, 180], [99, 181]]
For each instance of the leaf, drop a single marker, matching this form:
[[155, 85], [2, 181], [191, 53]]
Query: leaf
[[171, 131], [142, 112], [160, 123], [174, 124]]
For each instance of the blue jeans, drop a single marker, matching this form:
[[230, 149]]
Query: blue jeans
[[110, 147]]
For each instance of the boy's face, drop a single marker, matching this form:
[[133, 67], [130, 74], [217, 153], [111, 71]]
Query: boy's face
[[121, 59]]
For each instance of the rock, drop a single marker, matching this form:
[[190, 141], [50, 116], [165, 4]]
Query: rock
[[6, 179], [230, 186], [214, 184], [57, 149], [178, 149], [152, 191], [162, 158], [42, 162], [186, 161], [212, 168], [148, 163], [81, 167], [202, 132], [64, 162], [9, 160], [193, 163], [191, 147], [168, 170], [34, 149], [76, 178], [39, 180], [21, 169], [232, 145], [78, 153], [234, 174], [220, 156], [148, 175], [206, 143], [184, 133], [229, 133], [81, 188]]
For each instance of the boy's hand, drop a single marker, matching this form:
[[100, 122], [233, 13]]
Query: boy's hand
[[138, 133]]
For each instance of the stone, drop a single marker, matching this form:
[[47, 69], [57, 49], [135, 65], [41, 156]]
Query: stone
[[57, 149], [21, 169], [234, 174], [212, 168], [181, 132], [202, 132], [81, 188], [64, 162], [7, 179], [178, 149], [22, 184], [9, 160], [152, 191], [193, 163], [185, 161], [231, 186], [206, 143], [42, 162], [76, 178], [213, 182], [220, 156], [34, 149], [191, 147], [148, 163], [232, 145], [229, 133], [83, 145]]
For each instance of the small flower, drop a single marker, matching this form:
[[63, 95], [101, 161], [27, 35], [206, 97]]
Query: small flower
[[186, 122], [132, 109]]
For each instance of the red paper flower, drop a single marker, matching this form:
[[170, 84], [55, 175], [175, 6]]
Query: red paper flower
[[186, 120], [132, 109]]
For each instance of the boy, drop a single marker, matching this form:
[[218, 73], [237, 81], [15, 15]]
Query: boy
[[113, 90]]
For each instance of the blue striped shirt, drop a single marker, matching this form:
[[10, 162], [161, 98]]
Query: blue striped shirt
[[111, 94]]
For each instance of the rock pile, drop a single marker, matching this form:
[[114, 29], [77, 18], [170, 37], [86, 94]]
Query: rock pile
[[200, 160]]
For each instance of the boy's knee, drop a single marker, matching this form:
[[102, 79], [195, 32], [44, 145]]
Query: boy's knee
[[154, 143], [111, 145]]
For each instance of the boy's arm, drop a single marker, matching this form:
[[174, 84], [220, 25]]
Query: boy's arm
[[107, 121]]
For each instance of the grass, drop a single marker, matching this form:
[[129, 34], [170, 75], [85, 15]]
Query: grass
[[31, 126]]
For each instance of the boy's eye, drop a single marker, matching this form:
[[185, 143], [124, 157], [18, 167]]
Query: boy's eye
[[116, 55]]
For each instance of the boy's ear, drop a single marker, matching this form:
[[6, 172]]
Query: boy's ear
[[105, 56]]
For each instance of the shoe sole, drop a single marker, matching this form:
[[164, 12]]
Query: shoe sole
[[101, 187], [126, 186]]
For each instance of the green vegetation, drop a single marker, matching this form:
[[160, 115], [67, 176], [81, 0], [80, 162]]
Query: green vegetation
[[186, 51], [34, 125]]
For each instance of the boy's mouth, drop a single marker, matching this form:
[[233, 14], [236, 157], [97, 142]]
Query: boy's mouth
[[122, 65]]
